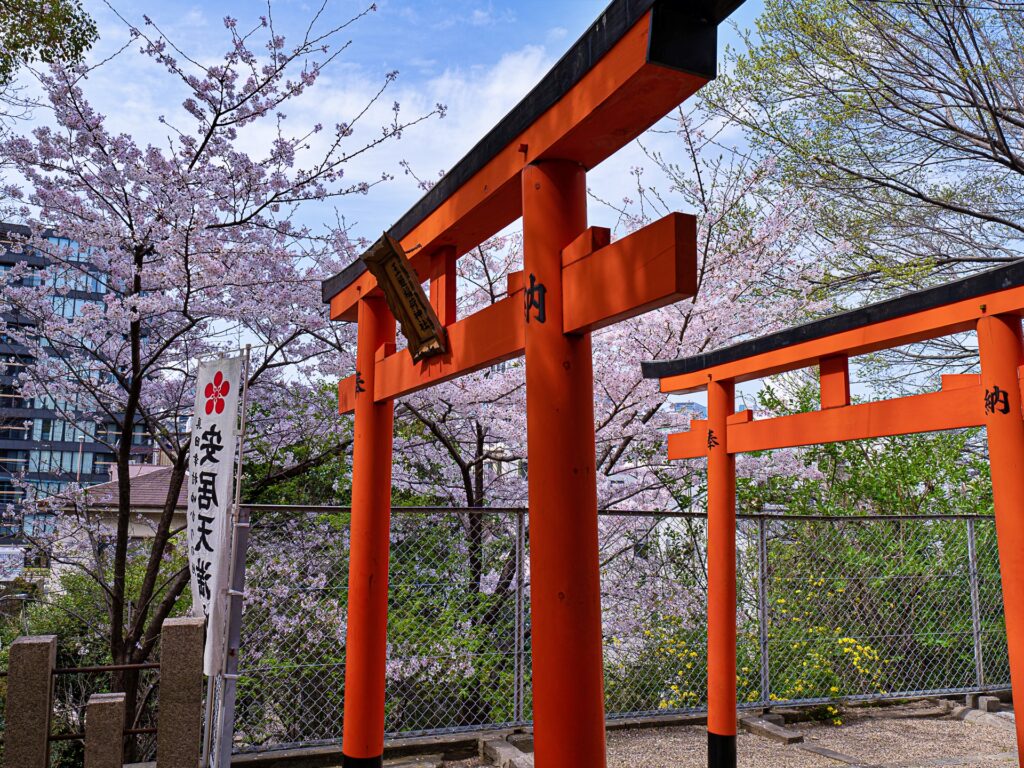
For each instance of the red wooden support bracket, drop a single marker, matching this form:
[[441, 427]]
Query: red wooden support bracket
[[835, 381], [960, 380], [442, 284], [740, 417], [347, 395], [488, 336], [650, 268], [689, 444], [514, 282], [591, 240]]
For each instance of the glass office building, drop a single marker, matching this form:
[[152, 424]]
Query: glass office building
[[40, 445]]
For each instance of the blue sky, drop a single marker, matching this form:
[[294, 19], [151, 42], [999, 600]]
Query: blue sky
[[477, 57]]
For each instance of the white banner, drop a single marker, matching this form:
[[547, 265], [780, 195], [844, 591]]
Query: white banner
[[210, 495]]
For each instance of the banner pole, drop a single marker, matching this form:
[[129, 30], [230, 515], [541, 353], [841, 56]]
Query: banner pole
[[236, 589], [208, 721]]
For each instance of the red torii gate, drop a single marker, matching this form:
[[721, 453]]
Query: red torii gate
[[990, 303], [640, 59]]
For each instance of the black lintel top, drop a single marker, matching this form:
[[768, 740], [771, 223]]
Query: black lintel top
[[990, 281], [613, 23]]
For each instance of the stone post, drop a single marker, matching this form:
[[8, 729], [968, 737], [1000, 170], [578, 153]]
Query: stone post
[[29, 702], [104, 731], [179, 733]]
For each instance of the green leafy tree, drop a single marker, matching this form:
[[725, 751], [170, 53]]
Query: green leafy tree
[[940, 473], [44, 31], [38, 31], [874, 605], [903, 119]]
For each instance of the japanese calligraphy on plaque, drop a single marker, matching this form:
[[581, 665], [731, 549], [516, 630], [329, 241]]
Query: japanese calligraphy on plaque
[[387, 262], [211, 470]]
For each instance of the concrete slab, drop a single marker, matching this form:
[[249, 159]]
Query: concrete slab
[[521, 741], [767, 730], [499, 752], [831, 754], [989, 703]]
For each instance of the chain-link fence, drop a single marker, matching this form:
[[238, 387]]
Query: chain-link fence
[[828, 608]]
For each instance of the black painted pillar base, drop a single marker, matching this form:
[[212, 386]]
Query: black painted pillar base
[[721, 751], [370, 762]]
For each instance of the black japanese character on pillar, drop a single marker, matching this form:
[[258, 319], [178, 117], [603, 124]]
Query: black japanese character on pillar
[[712, 440], [535, 298], [997, 400]]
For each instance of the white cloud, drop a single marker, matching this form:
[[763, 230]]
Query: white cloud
[[476, 98], [483, 16], [133, 91], [557, 34]]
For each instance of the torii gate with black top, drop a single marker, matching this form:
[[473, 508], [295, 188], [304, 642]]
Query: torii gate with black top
[[638, 61], [990, 303]]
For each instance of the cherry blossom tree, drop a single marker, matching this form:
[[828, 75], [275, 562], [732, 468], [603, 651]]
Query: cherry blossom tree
[[186, 248], [463, 443]]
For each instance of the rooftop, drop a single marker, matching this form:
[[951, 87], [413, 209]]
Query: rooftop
[[148, 491]]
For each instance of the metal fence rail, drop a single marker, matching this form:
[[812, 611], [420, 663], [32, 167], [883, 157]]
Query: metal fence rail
[[828, 608]]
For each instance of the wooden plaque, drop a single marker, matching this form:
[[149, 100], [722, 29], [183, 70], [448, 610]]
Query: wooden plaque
[[387, 262]]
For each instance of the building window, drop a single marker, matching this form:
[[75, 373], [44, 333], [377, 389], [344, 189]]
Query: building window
[[13, 461], [14, 429], [47, 462]]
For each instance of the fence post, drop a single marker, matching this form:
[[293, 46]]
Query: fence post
[[179, 730], [972, 575], [29, 701], [762, 606], [520, 621], [104, 735]]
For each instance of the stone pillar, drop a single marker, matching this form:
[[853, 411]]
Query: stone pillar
[[29, 702], [104, 734], [179, 733]]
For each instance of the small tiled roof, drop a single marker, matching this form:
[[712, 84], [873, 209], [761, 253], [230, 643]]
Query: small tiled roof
[[148, 491]]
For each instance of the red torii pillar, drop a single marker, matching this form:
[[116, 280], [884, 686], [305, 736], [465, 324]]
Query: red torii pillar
[[369, 544], [721, 578], [1002, 354], [565, 583]]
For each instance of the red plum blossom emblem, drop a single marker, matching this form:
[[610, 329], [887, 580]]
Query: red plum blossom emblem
[[215, 392]]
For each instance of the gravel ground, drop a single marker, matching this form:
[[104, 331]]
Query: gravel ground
[[687, 748], [879, 740], [871, 737]]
